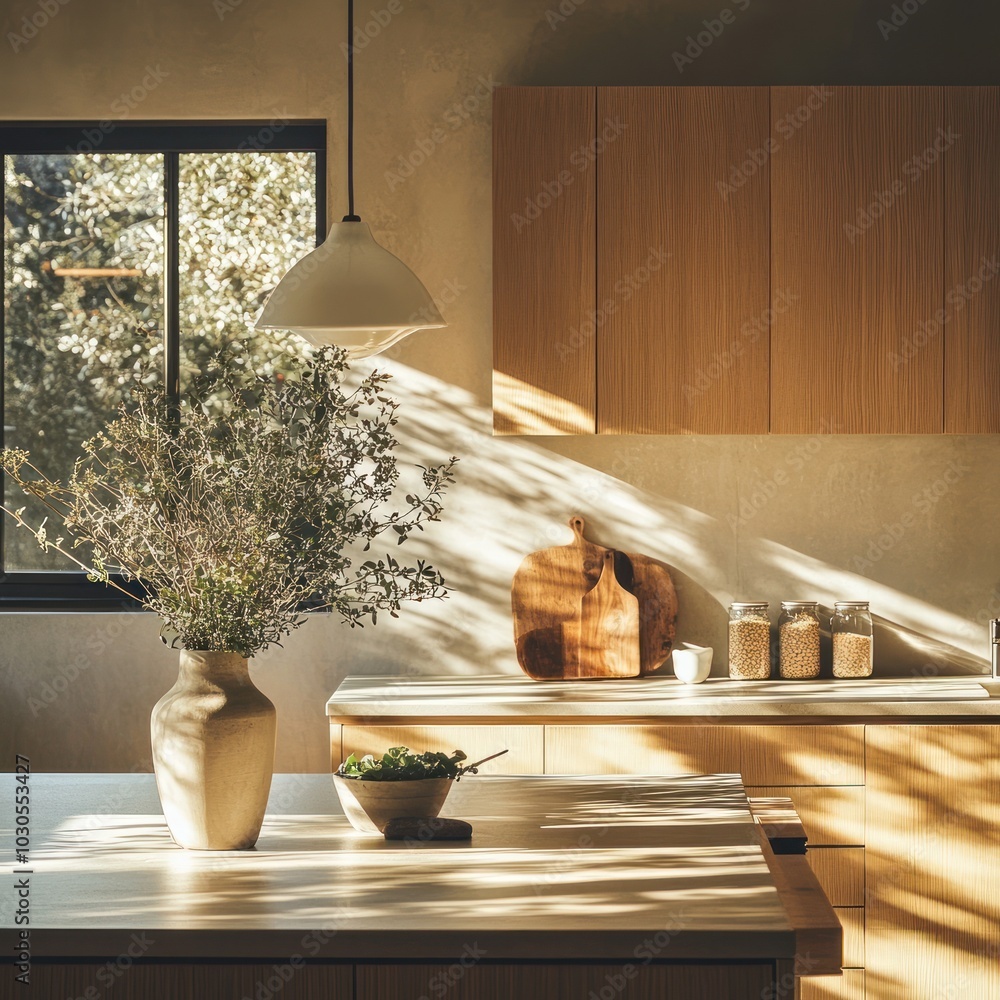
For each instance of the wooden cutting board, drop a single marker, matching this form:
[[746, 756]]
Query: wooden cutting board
[[609, 628], [547, 595]]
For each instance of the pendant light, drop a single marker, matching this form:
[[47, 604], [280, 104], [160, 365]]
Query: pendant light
[[350, 291]]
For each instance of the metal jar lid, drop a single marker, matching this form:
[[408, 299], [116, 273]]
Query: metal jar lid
[[800, 605], [851, 605], [749, 605]]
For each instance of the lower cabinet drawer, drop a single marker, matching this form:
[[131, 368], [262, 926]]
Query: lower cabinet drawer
[[841, 872], [526, 754], [849, 986], [852, 919], [642, 750], [565, 982], [832, 817]]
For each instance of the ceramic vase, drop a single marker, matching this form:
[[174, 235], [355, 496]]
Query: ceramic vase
[[213, 738]]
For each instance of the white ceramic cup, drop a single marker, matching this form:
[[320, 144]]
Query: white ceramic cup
[[692, 664]]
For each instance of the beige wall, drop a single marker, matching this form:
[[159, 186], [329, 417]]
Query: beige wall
[[77, 689]]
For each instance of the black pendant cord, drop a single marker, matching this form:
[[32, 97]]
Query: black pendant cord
[[350, 217]]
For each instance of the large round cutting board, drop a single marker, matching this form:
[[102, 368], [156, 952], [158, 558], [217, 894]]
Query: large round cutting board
[[547, 602]]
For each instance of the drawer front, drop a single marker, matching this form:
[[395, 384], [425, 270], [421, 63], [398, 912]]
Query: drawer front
[[852, 919], [832, 816], [849, 986], [841, 872], [525, 743], [803, 755], [642, 749], [556, 981]]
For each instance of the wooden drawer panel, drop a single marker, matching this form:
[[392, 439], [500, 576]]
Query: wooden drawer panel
[[336, 736], [151, 982], [642, 749], [832, 816], [524, 743], [548, 982], [849, 986], [803, 755], [852, 919], [841, 872]]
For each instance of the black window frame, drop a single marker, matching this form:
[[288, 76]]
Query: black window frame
[[72, 591]]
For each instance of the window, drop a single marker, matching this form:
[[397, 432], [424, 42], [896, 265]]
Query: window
[[146, 245]]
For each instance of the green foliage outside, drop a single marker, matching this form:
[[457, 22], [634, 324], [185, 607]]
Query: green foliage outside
[[74, 346]]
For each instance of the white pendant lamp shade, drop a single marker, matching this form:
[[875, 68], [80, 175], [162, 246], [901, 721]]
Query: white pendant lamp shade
[[350, 292]]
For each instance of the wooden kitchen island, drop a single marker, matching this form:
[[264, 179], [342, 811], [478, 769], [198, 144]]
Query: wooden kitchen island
[[572, 887]]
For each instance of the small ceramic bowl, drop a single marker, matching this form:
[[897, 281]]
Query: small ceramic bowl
[[692, 664], [369, 805]]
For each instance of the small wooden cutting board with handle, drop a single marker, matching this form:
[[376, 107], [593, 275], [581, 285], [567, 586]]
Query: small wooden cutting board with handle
[[608, 637]]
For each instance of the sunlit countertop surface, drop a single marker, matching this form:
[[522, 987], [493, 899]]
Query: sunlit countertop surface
[[558, 867], [509, 697]]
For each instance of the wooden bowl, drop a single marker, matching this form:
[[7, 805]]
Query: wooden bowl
[[369, 805]]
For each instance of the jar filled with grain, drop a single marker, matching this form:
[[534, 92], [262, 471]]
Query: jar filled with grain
[[853, 644], [798, 640], [749, 642]]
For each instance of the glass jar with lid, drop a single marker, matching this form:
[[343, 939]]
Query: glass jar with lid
[[853, 643], [749, 641], [798, 640]]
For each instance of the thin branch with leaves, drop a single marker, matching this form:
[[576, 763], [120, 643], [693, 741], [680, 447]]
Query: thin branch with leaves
[[249, 509]]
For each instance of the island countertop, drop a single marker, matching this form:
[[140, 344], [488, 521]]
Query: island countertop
[[393, 700], [558, 868]]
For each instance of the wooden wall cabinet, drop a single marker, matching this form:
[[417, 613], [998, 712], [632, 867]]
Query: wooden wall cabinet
[[738, 260]]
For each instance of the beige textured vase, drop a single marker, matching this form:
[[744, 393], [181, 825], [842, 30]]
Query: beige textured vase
[[213, 753]]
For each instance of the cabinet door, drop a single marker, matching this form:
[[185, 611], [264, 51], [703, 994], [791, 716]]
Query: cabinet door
[[544, 259], [682, 260], [970, 317], [857, 248], [932, 879]]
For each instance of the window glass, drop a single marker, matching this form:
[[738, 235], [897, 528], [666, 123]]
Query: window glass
[[245, 218], [84, 253], [83, 307]]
